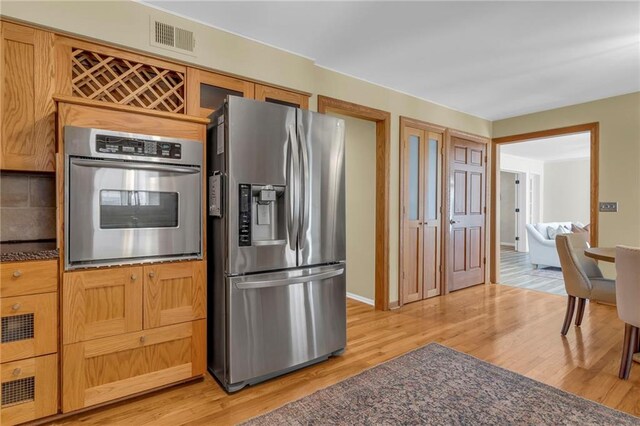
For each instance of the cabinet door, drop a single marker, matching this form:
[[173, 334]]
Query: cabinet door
[[29, 389], [29, 326], [206, 91], [27, 108], [174, 293], [105, 369], [101, 303], [281, 96]]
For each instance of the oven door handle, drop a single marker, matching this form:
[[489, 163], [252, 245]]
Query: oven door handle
[[131, 165]]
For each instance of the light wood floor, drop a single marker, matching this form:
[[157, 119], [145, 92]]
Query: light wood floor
[[514, 328]]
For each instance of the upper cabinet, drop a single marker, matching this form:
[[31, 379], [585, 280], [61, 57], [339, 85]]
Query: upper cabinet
[[281, 96], [206, 91], [27, 111]]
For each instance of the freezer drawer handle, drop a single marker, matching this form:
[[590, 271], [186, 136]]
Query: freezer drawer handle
[[247, 285]]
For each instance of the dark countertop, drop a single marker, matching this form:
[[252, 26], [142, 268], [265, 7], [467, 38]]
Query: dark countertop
[[28, 250]]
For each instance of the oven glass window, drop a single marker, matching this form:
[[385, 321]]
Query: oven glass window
[[138, 209]]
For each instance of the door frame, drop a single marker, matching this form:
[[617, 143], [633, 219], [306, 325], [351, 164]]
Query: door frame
[[448, 204], [594, 161], [427, 127], [382, 119]]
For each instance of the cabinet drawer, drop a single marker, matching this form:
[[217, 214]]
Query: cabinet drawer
[[29, 326], [29, 389], [20, 278], [105, 369]]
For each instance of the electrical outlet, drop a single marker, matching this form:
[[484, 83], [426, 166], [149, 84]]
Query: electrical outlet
[[609, 206]]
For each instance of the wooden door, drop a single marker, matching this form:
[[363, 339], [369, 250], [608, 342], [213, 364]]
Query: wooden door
[[29, 326], [27, 110], [101, 303], [174, 293], [102, 370], [206, 91], [29, 389], [413, 213], [467, 167], [281, 96], [421, 218]]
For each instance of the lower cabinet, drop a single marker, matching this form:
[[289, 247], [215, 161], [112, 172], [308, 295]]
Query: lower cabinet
[[105, 369], [131, 329], [29, 389]]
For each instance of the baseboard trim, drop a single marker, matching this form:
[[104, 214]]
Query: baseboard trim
[[360, 299]]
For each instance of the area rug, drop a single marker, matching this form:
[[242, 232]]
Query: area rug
[[555, 273], [435, 385]]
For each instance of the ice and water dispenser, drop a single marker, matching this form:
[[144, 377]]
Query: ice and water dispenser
[[261, 215]]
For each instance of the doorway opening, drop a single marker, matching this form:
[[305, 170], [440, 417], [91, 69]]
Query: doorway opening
[[382, 120], [545, 183]]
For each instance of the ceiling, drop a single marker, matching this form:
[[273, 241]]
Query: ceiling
[[566, 147], [490, 59]]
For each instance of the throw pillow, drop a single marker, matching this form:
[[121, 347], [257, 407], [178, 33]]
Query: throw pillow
[[578, 229], [552, 232]]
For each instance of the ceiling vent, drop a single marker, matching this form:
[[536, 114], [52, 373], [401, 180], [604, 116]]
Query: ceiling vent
[[171, 37]]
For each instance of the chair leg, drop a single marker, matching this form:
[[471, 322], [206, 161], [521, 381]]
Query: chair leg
[[630, 342], [580, 312], [568, 316]]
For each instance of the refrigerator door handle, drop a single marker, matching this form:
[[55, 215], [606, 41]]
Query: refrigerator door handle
[[248, 285], [305, 189], [292, 193]]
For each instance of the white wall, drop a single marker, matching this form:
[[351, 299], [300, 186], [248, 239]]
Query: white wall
[[566, 191]]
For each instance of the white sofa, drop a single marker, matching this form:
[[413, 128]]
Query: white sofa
[[542, 250]]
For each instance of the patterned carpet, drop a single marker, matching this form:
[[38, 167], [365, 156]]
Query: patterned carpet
[[435, 385]]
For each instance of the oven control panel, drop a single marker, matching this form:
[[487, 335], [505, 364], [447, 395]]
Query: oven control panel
[[140, 147]]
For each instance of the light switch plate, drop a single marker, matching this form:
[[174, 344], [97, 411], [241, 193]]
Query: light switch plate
[[608, 206]]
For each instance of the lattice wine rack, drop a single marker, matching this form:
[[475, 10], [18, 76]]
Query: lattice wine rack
[[110, 79]]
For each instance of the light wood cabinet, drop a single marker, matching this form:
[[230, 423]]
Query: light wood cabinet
[[131, 329], [281, 96], [29, 326], [174, 293], [101, 303], [32, 277], [29, 389], [206, 91], [105, 369], [27, 108]]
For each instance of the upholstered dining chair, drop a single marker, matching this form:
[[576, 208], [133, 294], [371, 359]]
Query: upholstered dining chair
[[582, 278], [628, 303]]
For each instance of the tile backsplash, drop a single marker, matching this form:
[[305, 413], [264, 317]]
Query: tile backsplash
[[27, 207]]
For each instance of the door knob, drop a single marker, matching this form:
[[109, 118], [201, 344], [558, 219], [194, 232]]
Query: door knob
[[142, 339], [134, 277], [17, 371], [17, 273], [15, 306], [452, 221], [152, 274]]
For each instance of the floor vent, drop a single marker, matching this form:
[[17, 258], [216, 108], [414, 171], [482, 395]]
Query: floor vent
[[172, 37]]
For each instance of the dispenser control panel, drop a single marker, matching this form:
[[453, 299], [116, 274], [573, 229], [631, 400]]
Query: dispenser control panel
[[244, 219]]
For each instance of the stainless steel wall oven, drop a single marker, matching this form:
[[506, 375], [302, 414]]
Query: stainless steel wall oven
[[131, 198]]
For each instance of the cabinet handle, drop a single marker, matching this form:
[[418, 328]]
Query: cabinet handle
[[15, 306], [17, 371], [142, 339], [152, 274], [17, 273], [134, 277]]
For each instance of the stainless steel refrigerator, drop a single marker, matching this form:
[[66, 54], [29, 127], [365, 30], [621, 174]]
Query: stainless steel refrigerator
[[275, 240]]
